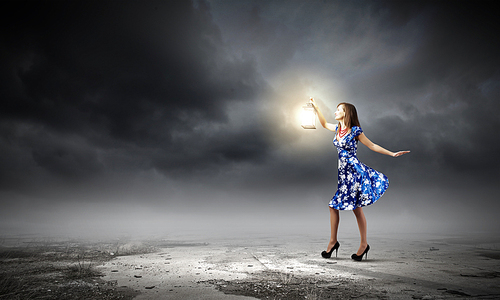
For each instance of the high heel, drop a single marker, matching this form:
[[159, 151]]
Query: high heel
[[360, 257], [329, 254]]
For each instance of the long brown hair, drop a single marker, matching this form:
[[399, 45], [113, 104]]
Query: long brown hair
[[351, 116]]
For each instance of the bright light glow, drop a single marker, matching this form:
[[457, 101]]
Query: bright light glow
[[308, 116]]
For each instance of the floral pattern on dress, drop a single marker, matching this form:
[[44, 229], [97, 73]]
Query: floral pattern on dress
[[358, 184]]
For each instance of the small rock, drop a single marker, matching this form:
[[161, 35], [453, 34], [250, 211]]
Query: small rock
[[149, 287], [250, 266], [453, 292], [112, 282], [433, 249], [114, 271], [137, 276]]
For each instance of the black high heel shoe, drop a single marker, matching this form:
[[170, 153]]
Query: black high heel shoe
[[329, 254], [360, 257]]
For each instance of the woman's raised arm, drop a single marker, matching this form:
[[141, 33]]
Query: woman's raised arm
[[322, 119]]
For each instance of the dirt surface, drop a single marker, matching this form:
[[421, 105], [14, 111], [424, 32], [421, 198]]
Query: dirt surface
[[292, 268], [254, 268], [276, 285], [61, 269]]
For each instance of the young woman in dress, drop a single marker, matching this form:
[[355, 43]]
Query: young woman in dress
[[358, 184]]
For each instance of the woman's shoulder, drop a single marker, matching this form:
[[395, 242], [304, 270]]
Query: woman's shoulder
[[356, 130]]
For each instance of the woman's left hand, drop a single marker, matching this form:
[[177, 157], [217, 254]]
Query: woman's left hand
[[311, 100], [400, 153]]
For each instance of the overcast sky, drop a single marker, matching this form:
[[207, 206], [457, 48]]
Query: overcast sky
[[180, 113]]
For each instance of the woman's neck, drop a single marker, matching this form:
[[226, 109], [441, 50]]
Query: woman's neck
[[342, 124]]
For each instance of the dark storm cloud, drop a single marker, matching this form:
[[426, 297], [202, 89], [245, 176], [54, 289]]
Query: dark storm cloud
[[88, 79], [199, 91], [452, 103], [423, 74], [180, 106]]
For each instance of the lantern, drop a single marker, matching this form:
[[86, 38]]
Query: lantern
[[308, 116]]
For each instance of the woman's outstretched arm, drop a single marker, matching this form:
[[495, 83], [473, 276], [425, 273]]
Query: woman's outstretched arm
[[374, 147], [321, 118]]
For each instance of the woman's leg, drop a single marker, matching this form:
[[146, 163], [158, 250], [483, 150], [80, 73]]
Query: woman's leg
[[334, 224], [360, 217]]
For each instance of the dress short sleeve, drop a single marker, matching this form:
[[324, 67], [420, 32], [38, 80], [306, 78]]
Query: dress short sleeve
[[356, 131]]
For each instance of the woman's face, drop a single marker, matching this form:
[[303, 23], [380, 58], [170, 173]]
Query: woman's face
[[340, 113]]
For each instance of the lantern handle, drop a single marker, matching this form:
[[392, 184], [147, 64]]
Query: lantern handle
[[321, 118]]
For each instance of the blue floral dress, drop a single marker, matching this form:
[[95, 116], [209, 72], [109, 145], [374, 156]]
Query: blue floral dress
[[358, 184]]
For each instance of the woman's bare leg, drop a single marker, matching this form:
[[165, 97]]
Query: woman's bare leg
[[360, 217], [334, 224]]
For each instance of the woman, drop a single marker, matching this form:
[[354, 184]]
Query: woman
[[358, 184]]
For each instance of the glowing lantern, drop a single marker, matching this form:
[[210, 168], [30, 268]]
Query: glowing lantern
[[308, 116]]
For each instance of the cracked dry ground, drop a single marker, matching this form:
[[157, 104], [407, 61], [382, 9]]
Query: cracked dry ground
[[60, 270], [276, 285]]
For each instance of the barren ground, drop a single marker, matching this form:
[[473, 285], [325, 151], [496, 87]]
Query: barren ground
[[260, 267]]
